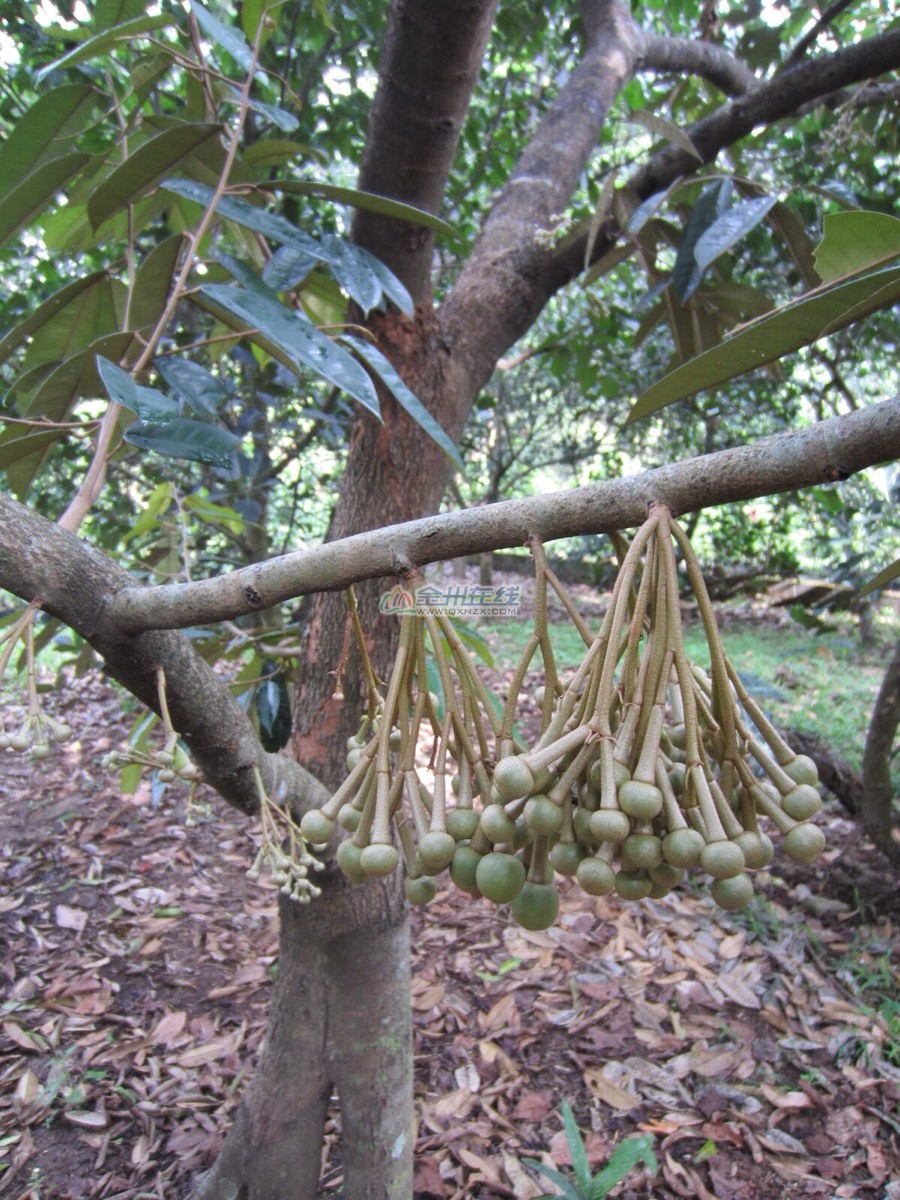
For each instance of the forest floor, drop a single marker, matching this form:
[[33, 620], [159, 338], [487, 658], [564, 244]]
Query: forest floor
[[760, 1050]]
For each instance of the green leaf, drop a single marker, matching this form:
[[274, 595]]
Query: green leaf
[[113, 12], [473, 640], [370, 201], [195, 385], [209, 513], [714, 199], [298, 339], [157, 503], [569, 1191], [245, 274], [46, 129], [142, 171], [150, 405], [228, 38], [18, 442], [94, 46], [624, 1159], [287, 267], [730, 228], [273, 711], [29, 198], [279, 117], [812, 316], [94, 313], [45, 312], [664, 129], [274, 152], [577, 1152], [407, 399], [785, 221], [649, 208], [856, 241], [352, 268], [154, 282], [390, 284], [186, 439], [881, 578], [75, 377]]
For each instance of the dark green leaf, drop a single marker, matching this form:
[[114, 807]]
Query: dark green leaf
[[730, 228], [114, 12], [245, 275], [297, 338], [624, 1159], [369, 201], [287, 267], [105, 40], [804, 321], [51, 307], [402, 394], [577, 1152], [714, 199], [273, 710], [150, 405], [75, 377], [649, 208], [199, 389], [569, 1191], [27, 200], [281, 119], [352, 269], [92, 314], [186, 439], [142, 171], [230, 39], [390, 284], [154, 282], [20, 441], [46, 130]]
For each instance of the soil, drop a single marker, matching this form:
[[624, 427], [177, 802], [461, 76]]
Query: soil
[[138, 958]]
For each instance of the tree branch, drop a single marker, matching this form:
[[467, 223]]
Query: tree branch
[[706, 59], [824, 453], [799, 51]]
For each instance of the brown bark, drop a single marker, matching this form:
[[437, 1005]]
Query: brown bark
[[878, 790]]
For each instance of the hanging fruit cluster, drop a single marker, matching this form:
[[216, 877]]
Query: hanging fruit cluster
[[646, 767]]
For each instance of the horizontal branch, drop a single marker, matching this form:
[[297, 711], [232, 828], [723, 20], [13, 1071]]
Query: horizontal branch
[[689, 56], [824, 453]]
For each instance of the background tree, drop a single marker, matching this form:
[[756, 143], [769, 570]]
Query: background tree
[[508, 123]]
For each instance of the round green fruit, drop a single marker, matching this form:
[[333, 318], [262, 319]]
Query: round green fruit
[[641, 851], [565, 857], [421, 890], [722, 859], [757, 849], [512, 778], [596, 877], [610, 825], [349, 817], [462, 823], [666, 876], [583, 831], [802, 770], [633, 885], [536, 906], [463, 867], [732, 893], [497, 825], [643, 801], [683, 847], [500, 877], [543, 815], [804, 843], [348, 859], [435, 851], [378, 859], [316, 827], [801, 802]]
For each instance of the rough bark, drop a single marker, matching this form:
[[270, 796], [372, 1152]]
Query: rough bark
[[876, 807]]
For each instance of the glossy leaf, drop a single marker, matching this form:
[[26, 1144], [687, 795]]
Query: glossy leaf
[[154, 282], [279, 117], [46, 130], [106, 40], [391, 285], [51, 307], [714, 200], [800, 323], [187, 439], [731, 228], [149, 404], [785, 221], [287, 267], [370, 201], [29, 198], [352, 268], [298, 339], [406, 398], [273, 711], [199, 389], [646, 211], [245, 274], [146, 167], [856, 241], [226, 36]]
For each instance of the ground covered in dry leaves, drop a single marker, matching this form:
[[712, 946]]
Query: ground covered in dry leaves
[[137, 963]]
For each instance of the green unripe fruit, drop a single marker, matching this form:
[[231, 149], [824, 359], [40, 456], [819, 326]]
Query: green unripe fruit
[[523, 835], [164, 774], [455, 784], [583, 831], [678, 736], [633, 885], [435, 851], [512, 778], [378, 859], [676, 777], [565, 857], [19, 741], [733, 893], [421, 890], [542, 815], [757, 848], [394, 739], [355, 742], [610, 825], [683, 847], [722, 859], [543, 779], [596, 877], [666, 876], [41, 750], [349, 818], [461, 823], [463, 867], [643, 801], [348, 859], [165, 758], [802, 770], [536, 906], [497, 825], [801, 802], [620, 773], [641, 851], [62, 732], [316, 827], [804, 843], [500, 877], [353, 757]]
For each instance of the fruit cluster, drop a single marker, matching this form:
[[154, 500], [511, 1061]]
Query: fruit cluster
[[646, 766]]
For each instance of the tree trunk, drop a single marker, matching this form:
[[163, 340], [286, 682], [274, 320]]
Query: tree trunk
[[878, 792]]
